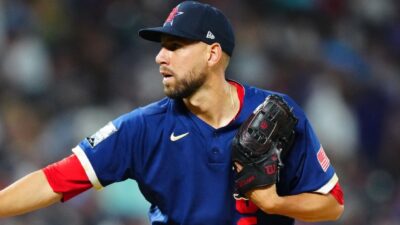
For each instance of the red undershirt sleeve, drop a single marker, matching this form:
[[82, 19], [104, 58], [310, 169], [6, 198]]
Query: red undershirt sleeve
[[337, 193], [67, 177]]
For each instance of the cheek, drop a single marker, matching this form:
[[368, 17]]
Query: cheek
[[196, 63], [185, 65], [190, 61], [201, 67]]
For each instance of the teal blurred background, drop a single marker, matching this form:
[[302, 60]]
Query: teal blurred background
[[67, 67]]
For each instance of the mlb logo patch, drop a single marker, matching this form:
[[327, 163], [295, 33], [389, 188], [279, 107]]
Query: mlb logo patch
[[101, 134], [323, 159]]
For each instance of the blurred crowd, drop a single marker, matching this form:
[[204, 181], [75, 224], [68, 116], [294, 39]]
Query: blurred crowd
[[67, 67]]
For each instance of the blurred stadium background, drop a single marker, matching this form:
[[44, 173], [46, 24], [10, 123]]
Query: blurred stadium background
[[69, 66]]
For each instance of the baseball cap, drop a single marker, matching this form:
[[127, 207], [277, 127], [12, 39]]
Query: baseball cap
[[195, 21]]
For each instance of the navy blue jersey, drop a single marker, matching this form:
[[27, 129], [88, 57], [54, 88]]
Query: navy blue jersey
[[183, 165]]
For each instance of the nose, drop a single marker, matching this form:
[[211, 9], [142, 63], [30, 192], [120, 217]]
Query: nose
[[162, 56]]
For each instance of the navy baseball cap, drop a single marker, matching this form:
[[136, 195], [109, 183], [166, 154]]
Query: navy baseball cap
[[195, 21]]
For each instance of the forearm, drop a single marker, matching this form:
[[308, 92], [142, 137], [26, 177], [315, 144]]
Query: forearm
[[27, 194], [310, 207]]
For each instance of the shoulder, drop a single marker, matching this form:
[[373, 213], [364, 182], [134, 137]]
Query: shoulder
[[255, 96], [156, 108], [253, 93], [146, 113]]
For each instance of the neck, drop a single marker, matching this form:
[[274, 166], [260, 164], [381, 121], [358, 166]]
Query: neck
[[216, 103]]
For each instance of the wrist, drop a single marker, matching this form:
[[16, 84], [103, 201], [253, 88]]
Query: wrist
[[266, 199]]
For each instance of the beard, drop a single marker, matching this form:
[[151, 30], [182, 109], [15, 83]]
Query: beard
[[185, 87]]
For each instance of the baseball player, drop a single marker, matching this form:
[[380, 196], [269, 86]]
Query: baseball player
[[179, 149]]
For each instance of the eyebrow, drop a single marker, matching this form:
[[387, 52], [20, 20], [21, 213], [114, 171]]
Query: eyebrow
[[170, 38]]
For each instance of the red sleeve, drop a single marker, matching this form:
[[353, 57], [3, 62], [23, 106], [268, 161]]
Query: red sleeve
[[67, 177], [337, 193]]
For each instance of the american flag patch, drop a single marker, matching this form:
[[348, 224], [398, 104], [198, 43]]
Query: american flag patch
[[323, 159]]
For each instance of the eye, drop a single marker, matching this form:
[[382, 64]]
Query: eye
[[172, 46]]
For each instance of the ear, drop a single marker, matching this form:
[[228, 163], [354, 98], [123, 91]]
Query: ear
[[215, 54]]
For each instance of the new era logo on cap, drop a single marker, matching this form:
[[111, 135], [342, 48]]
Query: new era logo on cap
[[195, 21], [210, 35]]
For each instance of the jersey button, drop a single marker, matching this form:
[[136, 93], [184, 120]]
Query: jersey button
[[215, 151], [215, 155]]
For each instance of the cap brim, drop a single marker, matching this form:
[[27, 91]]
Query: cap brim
[[155, 33], [152, 34]]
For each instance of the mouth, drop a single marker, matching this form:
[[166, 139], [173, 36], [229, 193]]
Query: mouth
[[166, 74]]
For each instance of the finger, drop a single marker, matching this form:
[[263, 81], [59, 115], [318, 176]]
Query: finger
[[238, 167]]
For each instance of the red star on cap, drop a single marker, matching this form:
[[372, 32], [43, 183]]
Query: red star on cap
[[172, 15]]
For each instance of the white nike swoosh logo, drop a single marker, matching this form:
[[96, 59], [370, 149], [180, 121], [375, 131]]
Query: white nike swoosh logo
[[175, 138]]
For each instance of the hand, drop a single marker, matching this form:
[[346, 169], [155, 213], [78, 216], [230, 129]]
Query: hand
[[259, 143], [260, 196], [265, 198], [268, 191]]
